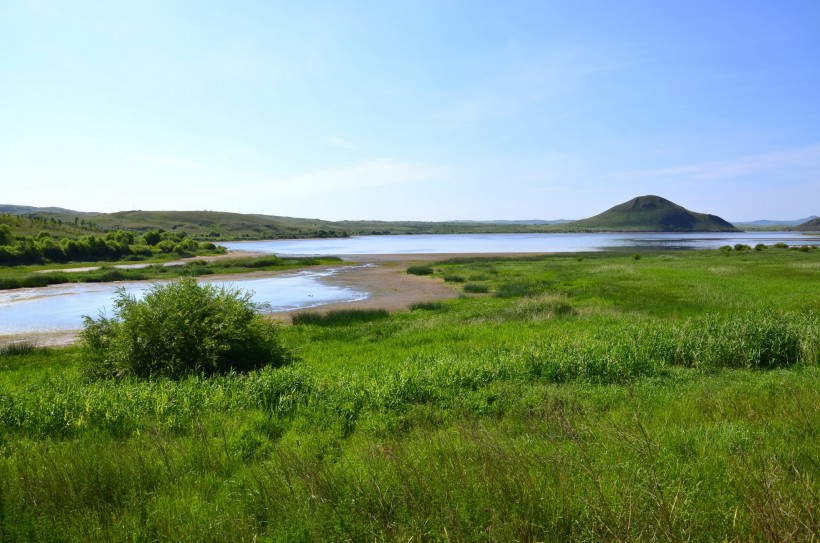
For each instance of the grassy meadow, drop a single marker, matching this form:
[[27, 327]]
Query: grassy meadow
[[595, 397]]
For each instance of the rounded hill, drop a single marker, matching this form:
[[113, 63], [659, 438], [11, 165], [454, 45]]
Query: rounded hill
[[653, 214], [809, 226]]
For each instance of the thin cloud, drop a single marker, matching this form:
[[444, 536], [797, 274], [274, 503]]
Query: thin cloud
[[341, 143], [368, 174], [513, 92], [805, 159]]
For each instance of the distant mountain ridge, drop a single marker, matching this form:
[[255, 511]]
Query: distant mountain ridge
[[653, 214], [764, 223], [26, 210], [812, 225], [642, 214]]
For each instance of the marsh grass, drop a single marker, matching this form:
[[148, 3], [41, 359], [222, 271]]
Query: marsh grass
[[672, 404], [17, 348], [476, 288], [420, 270], [428, 306], [340, 317]]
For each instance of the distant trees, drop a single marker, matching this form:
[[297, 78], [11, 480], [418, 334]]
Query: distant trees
[[114, 245], [6, 235]]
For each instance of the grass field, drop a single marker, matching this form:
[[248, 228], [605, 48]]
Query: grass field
[[594, 397]]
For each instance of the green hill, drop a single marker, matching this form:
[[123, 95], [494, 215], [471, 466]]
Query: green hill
[[809, 226], [653, 214], [224, 226], [647, 213]]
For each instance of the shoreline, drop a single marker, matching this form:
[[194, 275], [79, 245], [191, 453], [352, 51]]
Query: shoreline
[[383, 277]]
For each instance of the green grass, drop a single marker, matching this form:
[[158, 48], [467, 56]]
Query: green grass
[[476, 288], [340, 317], [420, 270], [674, 398]]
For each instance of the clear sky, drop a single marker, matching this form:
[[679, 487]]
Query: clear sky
[[413, 109]]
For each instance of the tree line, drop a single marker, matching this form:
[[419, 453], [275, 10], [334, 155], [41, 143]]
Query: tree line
[[44, 248]]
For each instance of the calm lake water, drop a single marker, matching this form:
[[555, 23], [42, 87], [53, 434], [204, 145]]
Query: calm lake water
[[60, 308], [512, 243]]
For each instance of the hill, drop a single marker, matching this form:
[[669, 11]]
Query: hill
[[224, 226], [653, 214], [771, 225], [647, 213], [31, 210], [812, 225]]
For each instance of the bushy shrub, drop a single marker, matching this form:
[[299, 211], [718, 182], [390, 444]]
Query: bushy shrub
[[420, 270], [181, 328]]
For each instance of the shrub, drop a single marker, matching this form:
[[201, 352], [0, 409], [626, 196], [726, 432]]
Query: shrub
[[420, 270], [180, 328]]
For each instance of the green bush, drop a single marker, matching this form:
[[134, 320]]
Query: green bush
[[180, 328], [420, 270]]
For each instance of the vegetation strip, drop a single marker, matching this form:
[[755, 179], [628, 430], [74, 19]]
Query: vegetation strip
[[671, 397]]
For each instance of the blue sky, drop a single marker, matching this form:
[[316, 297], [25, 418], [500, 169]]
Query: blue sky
[[411, 110]]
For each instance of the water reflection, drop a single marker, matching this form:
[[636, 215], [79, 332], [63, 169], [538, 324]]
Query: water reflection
[[61, 307], [514, 243]]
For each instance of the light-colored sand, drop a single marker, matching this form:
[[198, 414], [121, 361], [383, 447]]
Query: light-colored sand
[[388, 285], [382, 276], [408, 258], [140, 265]]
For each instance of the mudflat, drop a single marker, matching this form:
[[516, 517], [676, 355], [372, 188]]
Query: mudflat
[[383, 277]]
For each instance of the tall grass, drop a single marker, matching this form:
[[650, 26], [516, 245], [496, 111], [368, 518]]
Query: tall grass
[[340, 317], [588, 404], [420, 270]]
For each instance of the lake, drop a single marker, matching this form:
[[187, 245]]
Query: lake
[[512, 243], [59, 308]]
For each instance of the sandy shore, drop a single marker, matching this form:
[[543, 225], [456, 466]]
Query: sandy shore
[[140, 265], [382, 276], [387, 284]]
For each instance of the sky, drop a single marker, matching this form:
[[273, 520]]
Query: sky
[[411, 110]]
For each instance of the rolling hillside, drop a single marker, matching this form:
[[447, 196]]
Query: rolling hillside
[[653, 214], [646, 213], [809, 226]]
